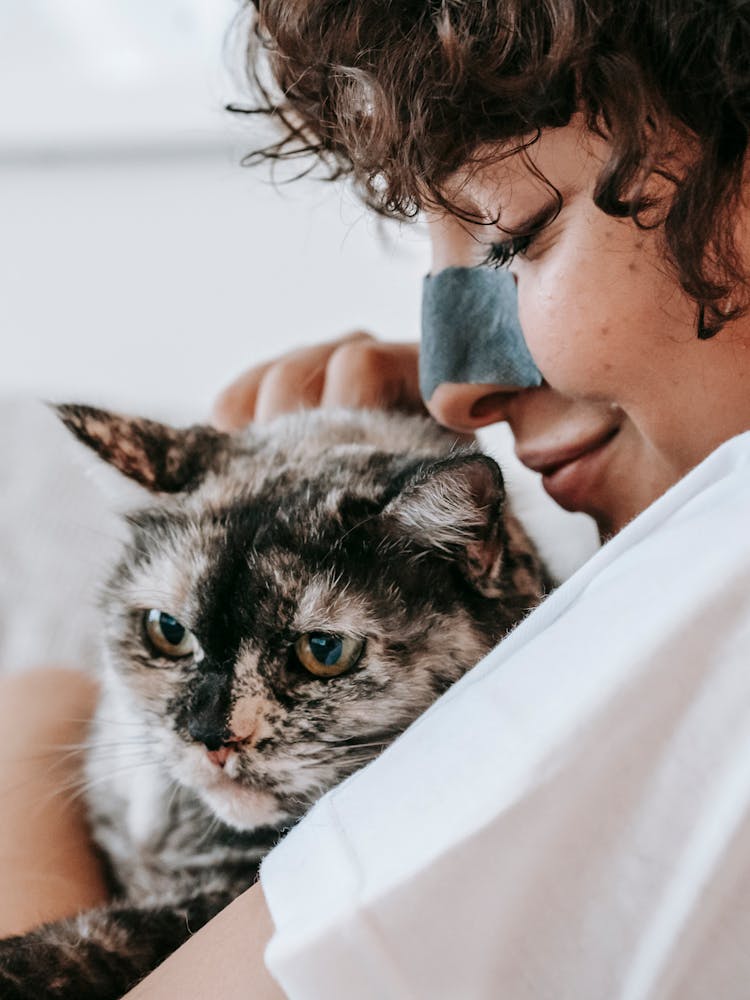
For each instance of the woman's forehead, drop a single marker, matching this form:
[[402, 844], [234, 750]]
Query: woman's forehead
[[507, 177]]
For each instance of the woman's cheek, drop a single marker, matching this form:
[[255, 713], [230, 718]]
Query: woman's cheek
[[567, 339], [586, 311]]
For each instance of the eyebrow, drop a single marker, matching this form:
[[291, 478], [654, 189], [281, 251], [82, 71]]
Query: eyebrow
[[473, 216], [536, 220]]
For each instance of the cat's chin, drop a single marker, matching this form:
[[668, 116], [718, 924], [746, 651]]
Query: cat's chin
[[234, 804], [242, 808]]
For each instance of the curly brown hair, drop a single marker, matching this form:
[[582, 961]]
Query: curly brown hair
[[398, 95]]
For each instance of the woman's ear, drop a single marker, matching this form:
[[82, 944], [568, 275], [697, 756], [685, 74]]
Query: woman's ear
[[455, 507], [160, 458]]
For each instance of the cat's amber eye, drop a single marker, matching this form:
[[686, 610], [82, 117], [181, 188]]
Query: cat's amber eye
[[327, 655], [168, 635]]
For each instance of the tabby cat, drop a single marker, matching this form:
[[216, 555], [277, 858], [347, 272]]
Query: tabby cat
[[290, 599]]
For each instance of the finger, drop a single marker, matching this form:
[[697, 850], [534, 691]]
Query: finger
[[297, 380], [293, 383], [376, 375], [237, 405], [234, 407]]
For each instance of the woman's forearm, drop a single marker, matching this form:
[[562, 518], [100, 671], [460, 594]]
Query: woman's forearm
[[48, 867], [223, 959]]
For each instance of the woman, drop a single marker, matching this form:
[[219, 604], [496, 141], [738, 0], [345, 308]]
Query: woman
[[569, 819]]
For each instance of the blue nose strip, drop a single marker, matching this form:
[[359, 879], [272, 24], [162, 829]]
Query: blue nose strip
[[471, 332]]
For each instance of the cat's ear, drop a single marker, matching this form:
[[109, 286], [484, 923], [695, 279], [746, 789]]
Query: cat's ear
[[455, 506], [160, 458]]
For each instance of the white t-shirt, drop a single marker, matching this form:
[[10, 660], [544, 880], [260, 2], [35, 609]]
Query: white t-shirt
[[570, 820]]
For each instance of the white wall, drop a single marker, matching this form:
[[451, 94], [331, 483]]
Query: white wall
[[150, 280], [138, 261]]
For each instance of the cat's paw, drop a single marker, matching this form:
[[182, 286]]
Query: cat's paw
[[49, 964], [21, 964]]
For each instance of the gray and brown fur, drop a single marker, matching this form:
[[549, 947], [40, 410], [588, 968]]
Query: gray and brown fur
[[375, 526]]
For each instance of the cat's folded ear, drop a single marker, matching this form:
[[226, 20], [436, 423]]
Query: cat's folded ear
[[455, 506], [160, 458]]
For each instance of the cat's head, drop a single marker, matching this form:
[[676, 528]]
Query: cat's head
[[292, 597]]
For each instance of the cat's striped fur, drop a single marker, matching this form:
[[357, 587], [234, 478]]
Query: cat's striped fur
[[379, 527]]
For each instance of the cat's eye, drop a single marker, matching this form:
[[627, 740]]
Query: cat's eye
[[327, 655], [167, 635]]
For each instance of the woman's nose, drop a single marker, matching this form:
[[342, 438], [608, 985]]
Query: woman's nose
[[467, 407]]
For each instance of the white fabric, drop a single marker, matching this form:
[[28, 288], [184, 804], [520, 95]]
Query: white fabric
[[571, 819]]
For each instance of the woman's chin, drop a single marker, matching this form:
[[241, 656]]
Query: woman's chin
[[582, 482], [601, 481]]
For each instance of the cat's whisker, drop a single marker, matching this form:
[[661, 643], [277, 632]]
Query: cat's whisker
[[173, 791], [87, 784], [355, 527], [115, 756], [115, 764], [99, 744], [211, 829], [107, 722], [64, 753], [80, 785], [348, 763], [374, 739], [362, 746], [323, 757]]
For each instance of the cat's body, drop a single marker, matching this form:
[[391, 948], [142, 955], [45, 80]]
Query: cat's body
[[291, 599]]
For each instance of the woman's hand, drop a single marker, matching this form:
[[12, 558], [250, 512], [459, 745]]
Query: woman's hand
[[355, 371]]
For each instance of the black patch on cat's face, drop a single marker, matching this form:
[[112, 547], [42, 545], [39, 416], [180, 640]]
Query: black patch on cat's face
[[312, 542]]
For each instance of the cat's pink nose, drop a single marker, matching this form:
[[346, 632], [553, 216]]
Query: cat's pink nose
[[219, 756], [231, 743]]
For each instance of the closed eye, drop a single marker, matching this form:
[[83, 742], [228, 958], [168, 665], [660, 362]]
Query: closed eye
[[501, 254], [517, 244]]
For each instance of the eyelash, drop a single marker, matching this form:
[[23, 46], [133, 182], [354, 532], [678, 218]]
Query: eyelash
[[501, 254]]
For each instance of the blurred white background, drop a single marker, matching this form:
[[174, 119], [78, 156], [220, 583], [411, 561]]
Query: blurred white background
[[140, 264]]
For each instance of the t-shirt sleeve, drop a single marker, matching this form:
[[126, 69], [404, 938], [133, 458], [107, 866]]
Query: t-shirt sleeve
[[570, 819]]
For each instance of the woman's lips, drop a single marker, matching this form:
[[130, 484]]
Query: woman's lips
[[571, 472]]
